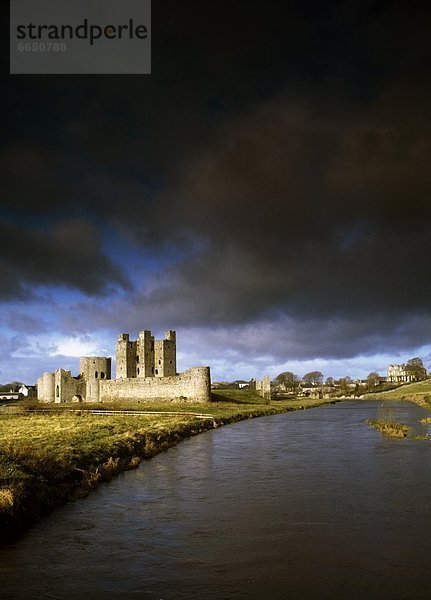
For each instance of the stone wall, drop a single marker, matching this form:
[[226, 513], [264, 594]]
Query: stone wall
[[193, 385]]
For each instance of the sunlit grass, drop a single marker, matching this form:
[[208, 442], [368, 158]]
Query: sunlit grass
[[6, 498], [419, 392], [420, 387]]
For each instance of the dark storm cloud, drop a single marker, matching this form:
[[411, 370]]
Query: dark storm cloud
[[210, 61], [283, 149], [304, 213], [32, 177], [67, 254], [279, 340]]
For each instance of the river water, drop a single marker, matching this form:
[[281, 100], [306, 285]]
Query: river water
[[310, 504]]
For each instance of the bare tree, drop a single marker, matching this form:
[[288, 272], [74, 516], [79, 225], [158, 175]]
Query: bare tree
[[12, 386]]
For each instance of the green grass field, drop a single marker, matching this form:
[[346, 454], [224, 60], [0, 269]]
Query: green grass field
[[420, 387]]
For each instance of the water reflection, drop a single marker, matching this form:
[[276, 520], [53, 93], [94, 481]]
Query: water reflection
[[311, 504]]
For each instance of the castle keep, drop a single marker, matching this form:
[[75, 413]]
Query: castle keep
[[146, 370], [146, 357]]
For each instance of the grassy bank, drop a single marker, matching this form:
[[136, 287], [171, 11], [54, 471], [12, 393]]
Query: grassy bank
[[51, 457], [419, 392]]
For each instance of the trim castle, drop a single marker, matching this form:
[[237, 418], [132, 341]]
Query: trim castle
[[146, 370]]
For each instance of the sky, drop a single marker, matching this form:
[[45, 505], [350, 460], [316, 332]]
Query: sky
[[265, 192]]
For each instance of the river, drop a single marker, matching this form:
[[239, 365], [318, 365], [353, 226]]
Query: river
[[311, 504]]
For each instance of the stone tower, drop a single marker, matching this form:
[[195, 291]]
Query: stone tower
[[145, 355], [46, 387], [165, 355], [93, 369], [126, 357]]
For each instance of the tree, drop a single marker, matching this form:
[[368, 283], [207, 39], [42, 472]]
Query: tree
[[373, 379], [345, 385], [329, 381], [314, 377], [415, 367], [288, 379], [13, 385]]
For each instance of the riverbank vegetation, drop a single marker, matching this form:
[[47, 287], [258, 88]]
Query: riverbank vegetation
[[391, 428], [47, 458], [419, 393]]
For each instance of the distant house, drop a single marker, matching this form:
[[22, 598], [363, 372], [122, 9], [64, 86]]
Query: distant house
[[24, 391], [241, 383], [11, 396], [400, 374], [29, 391]]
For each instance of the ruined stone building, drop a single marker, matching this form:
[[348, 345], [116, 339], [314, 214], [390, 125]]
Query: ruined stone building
[[146, 370], [261, 386]]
